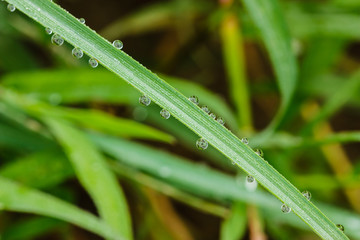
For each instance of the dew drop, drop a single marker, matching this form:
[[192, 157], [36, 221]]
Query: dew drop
[[307, 194], [233, 162], [164, 114], [220, 120], [11, 7], [93, 62], [213, 115], [245, 140], [259, 152], [82, 20], [285, 208], [77, 52], [205, 109], [194, 99], [48, 30], [144, 100], [250, 179], [118, 44], [201, 144], [340, 227], [56, 39]]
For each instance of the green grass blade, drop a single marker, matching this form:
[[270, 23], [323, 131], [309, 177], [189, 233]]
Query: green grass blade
[[268, 17], [92, 171], [61, 22], [233, 54], [18, 198], [234, 227]]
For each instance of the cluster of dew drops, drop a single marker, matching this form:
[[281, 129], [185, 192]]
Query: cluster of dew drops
[[201, 143]]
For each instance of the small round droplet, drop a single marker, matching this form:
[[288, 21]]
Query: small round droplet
[[307, 194], [118, 44], [233, 162], [77, 52], [11, 7], [194, 99], [56, 39], [164, 114], [205, 109], [48, 30], [340, 227], [144, 100], [250, 179], [245, 140], [220, 120], [213, 115], [201, 144], [82, 20], [93, 62], [285, 208], [259, 152]]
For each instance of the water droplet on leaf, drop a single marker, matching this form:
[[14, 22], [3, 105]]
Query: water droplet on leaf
[[201, 144], [118, 44], [164, 114], [48, 30], [259, 152], [205, 109], [250, 179], [213, 115], [82, 20], [77, 52], [56, 39], [245, 141], [144, 100], [93, 62], [11, 7], [307, 194], [220, 120], [285, 208], [340, 227], [194, 99]]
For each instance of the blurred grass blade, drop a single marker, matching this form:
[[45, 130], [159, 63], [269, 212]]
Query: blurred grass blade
[[233, 53], [93, 173], [268, 17], [179, 106], [47, 169], [14, 197], [234, 227]]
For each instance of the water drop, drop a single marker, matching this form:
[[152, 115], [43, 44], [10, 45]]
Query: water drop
[[201, 144], [245, 140], [82, 20], [340, 227], [307, 194], [194, 99], [285, 208], [48, 30], [56, 39], [144, 100], [164, 114], [233, 162], [250, 179], [259, 152], [205, 109], [11, 7], [93, 62], [213, 115], [118, 44], [220, 120], [77, 52]]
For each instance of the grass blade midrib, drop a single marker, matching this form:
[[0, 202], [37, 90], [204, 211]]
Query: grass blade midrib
[[180, 107]]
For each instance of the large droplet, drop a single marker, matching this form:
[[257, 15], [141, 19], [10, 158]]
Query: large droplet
[[220, 120], [250, 179], [56, 39], [118, 44], [259, 152], [205, 109], [213, 115], [48, 30], [77, 52], [164, 114], [11, 7], [285, 208], [82, 20], [245, 140], [340, 227], [194, 99], [201, 144], [93, 62], [144, 100], [307, 195]]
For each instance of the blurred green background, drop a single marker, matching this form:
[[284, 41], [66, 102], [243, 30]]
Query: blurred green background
[[54, 106]]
